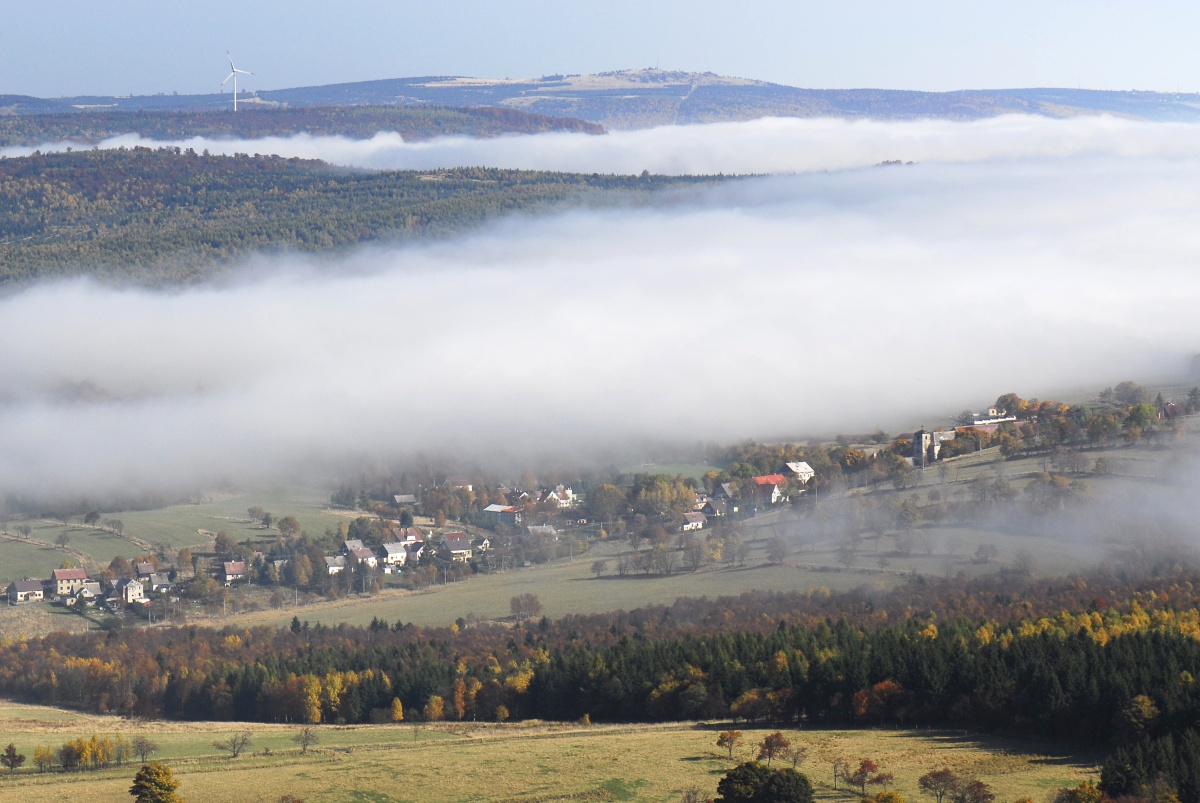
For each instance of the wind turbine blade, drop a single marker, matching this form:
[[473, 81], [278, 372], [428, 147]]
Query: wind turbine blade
[[227, 78]]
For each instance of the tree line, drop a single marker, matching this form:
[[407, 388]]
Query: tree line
[[1093, 660]]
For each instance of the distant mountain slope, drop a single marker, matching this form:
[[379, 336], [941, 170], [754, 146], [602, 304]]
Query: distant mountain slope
[[162, 216], [640, 98]]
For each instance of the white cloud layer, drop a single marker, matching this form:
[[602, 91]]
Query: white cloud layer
[[776, 306], [774, 145]]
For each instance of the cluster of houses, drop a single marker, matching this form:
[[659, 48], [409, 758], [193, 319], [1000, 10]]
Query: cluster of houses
[[73, 587], [768, 489], [408, 546]]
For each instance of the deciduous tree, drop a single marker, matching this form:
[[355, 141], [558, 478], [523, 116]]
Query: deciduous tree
[[155, 783]]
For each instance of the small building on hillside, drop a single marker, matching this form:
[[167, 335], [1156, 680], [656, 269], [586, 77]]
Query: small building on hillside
[[235, 571], [144, 569], [26, 591], [395, 555], [130, 591], [364, 555], [715, 508], [351, 544], [769, 488], [505, 514], [456, 547], [67, 581], [801, 471], [335, 564], [405, 500], [693, 521]]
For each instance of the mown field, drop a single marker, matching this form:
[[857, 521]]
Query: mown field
[[523, 762]]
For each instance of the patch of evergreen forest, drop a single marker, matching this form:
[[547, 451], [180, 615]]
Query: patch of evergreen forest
[[170, 215]]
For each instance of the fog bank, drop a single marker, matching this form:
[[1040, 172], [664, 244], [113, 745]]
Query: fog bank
[[774, 145], [788, 305]]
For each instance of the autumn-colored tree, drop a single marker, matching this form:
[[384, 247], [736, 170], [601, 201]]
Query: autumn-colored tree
[[772, 745], [939, 783], [434, 710], [1086, 792], [862, 775], [397, 710], [43, 757], [155, 783], [728, 740]]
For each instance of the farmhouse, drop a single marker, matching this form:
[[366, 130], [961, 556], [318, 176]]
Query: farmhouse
[[335, 564], [802, 471], [693, 521], [769, 488], [67, 581], [145, 569], [25, 591], [715, 508], [395, 554], [456, 547], [131, 591], [350, 545], [234, 570], [364, 555], [561, 497]]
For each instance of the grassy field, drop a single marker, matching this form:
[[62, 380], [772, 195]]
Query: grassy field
[[521, 762], [176, 526]]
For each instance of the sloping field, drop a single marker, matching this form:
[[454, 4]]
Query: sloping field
[[524, 762]]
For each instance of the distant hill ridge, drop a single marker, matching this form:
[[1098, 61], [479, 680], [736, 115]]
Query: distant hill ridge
[[641, 98]]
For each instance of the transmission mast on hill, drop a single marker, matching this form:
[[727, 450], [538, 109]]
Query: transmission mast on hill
[[234, 72]]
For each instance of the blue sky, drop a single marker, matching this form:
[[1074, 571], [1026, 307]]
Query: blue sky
[[67, 47]]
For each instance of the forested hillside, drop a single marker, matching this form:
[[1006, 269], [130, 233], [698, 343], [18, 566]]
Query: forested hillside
[[172, 215], [359, 122], [1106, 660]]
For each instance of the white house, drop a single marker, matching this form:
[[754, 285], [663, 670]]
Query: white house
[[335, 564], [802, 471]]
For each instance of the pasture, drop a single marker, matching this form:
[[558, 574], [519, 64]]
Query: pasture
[[518, 762]]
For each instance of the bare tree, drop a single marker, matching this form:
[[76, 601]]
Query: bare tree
[[143, 747], [306, 737], [235, 744]]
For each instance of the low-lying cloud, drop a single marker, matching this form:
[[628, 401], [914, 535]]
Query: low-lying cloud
[[779, 306], [773, 145]]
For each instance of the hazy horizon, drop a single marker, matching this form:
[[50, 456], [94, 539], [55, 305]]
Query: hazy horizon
[[127, 47]]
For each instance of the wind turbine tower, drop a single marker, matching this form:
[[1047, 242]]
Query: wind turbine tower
[[234, 72]]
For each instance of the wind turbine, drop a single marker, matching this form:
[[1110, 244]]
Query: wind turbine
[[233, 73]]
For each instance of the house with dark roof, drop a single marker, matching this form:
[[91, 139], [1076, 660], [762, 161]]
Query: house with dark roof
[[145, 569], [715, 508], [456, 547], [26, 591], [130, 591], [693, 521]]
